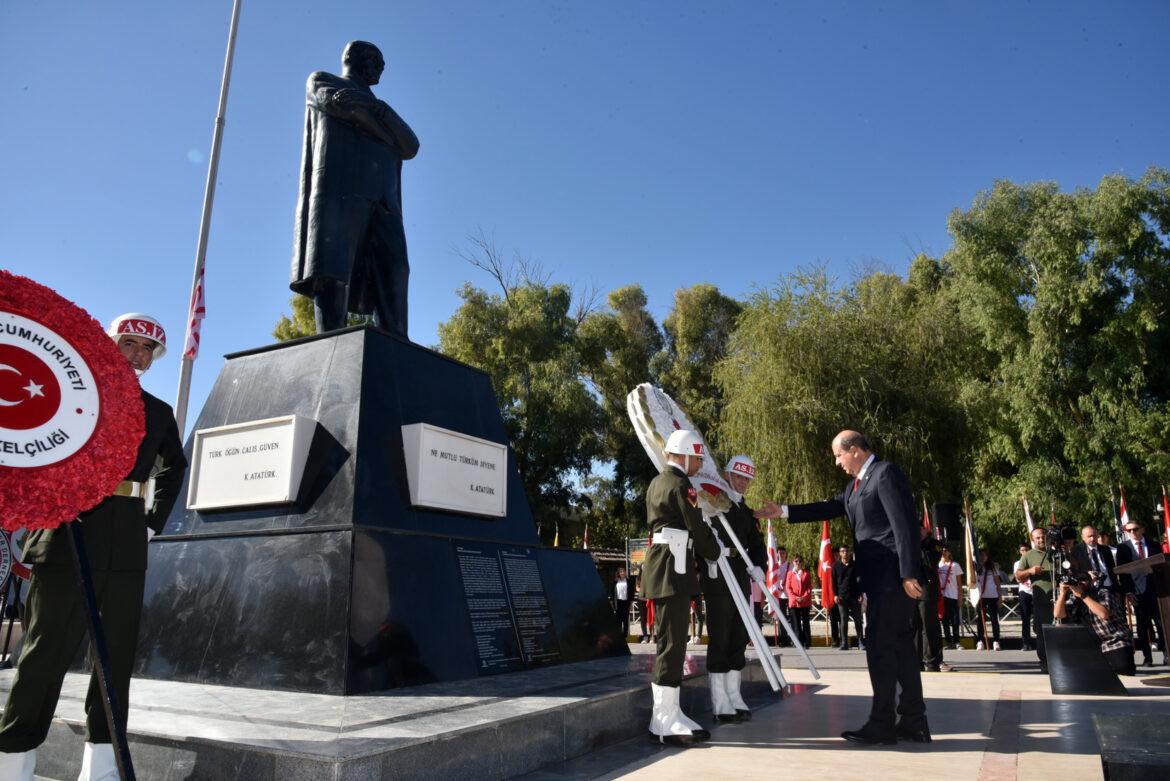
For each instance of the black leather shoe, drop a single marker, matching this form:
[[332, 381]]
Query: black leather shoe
[[869, 737], [916, 735]]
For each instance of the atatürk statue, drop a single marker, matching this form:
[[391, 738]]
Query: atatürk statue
[[350, 248]]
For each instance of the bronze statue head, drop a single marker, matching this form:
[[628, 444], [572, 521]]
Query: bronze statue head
[[363, 59]]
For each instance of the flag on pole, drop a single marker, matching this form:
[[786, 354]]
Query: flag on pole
[[773, 579], [826, 567], [1123, 513], [1166, 515], [585, 543], [973, 561], [926, 521], [1119, 532], [195, 319], [1028, 517]]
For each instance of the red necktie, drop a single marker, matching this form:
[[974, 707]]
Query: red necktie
[[1141, 546], [856, 482]]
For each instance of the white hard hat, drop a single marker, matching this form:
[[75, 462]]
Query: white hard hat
[[742, 465], [138, 324], [684, 443]]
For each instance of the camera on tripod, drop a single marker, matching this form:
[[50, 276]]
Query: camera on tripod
[[1062, 566]]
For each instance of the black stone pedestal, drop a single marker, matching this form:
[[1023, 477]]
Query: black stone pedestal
[[351, 590]]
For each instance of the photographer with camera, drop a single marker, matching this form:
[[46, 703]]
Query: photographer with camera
[[1082, 598]]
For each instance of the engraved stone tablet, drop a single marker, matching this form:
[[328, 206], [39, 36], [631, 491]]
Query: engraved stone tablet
[[452, 471], [259, 462]]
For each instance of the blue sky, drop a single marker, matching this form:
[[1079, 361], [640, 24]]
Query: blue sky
[[663, 143]]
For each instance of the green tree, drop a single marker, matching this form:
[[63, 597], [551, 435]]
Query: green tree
[[698, 333], [1067, 295], [617, 347], [526, 339], [811, 357]]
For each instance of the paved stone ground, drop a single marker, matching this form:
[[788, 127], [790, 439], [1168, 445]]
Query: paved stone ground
[[993, 717]]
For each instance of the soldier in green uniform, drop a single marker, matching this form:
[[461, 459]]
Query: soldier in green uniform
[[728, 637], [670, 578], [116, 533]]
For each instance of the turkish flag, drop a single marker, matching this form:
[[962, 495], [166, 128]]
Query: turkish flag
[[29, 393]]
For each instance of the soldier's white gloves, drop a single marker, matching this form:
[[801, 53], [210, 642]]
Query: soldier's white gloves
[[722, 548], [758, 575]]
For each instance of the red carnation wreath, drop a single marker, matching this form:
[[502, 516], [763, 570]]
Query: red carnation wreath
[[42, 332]]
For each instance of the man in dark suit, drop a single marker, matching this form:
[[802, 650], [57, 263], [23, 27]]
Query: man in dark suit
[[880, 509], [1139, 592], [116, 533], [1091, 557]]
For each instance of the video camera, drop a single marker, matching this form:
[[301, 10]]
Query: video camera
[[1062, 565]]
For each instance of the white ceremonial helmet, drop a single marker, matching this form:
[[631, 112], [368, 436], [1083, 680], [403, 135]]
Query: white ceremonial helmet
[[742, 465], [138, 324], [684, 443]]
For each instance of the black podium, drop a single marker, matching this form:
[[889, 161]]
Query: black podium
[[351, 589]]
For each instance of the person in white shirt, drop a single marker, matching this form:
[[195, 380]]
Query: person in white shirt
[[949, 574], [991, 597]]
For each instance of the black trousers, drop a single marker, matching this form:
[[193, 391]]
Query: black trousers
[[798, 618], [846, 609], [927, 630], [727, 637], [989, 613], [1026, 618], [1147, 624], [56, 625], [891, 657], [950, 620], [622, 610]]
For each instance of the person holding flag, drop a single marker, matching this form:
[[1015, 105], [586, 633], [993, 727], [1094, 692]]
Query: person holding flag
[[881, 513], [727, 635]]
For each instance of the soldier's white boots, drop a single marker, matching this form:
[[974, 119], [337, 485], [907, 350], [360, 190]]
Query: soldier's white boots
[[19, 766], [98, 763], [733, 681], [667, 721], [720, 703]]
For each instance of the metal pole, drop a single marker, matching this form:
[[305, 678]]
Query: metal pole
[[768, 595], [205, 225]]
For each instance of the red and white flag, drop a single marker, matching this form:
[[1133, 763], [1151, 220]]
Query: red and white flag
[[195, 320], [826, 567], [773, 579], [1166, 515], [936, 533], [1028, 517], [1124, 513], [585, 543]]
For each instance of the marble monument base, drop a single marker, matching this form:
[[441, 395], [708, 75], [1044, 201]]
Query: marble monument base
[[350, 589]]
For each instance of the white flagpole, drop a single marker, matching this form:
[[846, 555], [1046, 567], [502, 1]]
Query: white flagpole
[[208, 199]]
